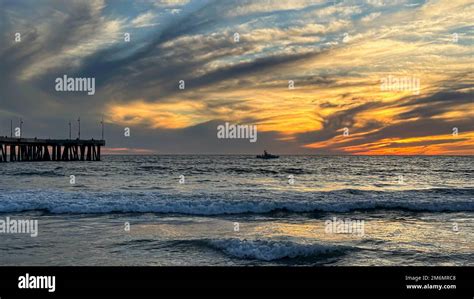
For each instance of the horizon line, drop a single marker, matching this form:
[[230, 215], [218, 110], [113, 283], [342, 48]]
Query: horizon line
[[251, 154]]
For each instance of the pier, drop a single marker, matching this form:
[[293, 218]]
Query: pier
[[33, 149]]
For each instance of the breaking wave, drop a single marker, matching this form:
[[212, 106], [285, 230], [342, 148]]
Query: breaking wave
[[57, 202], [269, 250], [273, 250]]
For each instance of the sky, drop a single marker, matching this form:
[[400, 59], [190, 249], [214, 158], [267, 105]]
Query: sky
[[314, 77]]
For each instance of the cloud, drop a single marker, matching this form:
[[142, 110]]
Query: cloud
[[336, 84], [371, 17], [146, 19], [246, 7], [48, 45], [170, 3]]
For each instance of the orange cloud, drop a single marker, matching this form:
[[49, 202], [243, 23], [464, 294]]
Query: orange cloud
[[462, 144]]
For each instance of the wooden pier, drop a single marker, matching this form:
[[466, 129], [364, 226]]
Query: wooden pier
[[33, 149]]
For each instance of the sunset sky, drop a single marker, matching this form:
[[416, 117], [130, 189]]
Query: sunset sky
[[337, 53]]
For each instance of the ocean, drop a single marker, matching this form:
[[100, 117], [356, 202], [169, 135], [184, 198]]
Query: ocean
[[235, 210]]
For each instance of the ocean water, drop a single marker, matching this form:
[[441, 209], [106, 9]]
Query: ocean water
[[238, 210]]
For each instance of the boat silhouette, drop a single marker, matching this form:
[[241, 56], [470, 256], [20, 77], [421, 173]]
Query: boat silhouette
[[266, 155]]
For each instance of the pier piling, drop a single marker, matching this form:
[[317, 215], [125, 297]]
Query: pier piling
[[33, 149]]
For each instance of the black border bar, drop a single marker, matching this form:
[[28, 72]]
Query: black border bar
[[242, 282]]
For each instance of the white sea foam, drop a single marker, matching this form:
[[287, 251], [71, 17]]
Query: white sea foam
[[273, 250], [128, 202]]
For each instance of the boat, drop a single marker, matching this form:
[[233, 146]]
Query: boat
[[267, 156]]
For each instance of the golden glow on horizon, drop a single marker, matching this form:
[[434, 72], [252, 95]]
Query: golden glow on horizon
[[449, 144]]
